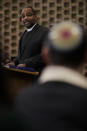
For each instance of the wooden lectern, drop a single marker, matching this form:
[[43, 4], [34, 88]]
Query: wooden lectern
[[18, 79]]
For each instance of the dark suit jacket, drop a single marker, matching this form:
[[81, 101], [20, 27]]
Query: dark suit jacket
[[55, 105], [30, 47], [10, 120]]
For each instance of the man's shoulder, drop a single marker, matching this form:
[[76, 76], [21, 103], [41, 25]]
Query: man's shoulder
[[34, 89], [46, 29], [27, 93]]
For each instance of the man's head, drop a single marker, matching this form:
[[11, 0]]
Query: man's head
[[65, 45], [28, 16]]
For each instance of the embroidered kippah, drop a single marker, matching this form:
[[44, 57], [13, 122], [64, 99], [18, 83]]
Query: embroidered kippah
[[66, 36]]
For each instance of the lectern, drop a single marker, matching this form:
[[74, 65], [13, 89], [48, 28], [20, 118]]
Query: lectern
[[18, 79]]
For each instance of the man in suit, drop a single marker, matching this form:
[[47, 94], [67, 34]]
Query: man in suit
[[58, 101], [29, 54]]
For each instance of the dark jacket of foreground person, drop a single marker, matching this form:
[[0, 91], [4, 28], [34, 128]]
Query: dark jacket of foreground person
[[58, 102]]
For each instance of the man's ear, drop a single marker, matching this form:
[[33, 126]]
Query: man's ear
[[45, 55]]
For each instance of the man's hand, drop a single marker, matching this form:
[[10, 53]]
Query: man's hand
[[21, 65], [9, 64]]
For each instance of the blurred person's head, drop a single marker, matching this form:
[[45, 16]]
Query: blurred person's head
[[28, 16], [65, 45]]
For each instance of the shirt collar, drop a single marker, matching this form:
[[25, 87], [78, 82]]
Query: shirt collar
[[58, 73], [30, 29]]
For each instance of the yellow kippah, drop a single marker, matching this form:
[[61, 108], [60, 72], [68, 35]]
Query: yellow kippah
[[66, 35]]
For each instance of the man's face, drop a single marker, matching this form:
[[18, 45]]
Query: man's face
[[28, 17]]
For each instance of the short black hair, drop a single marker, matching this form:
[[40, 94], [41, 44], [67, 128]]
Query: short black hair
[[74, 58], [34, 12]]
